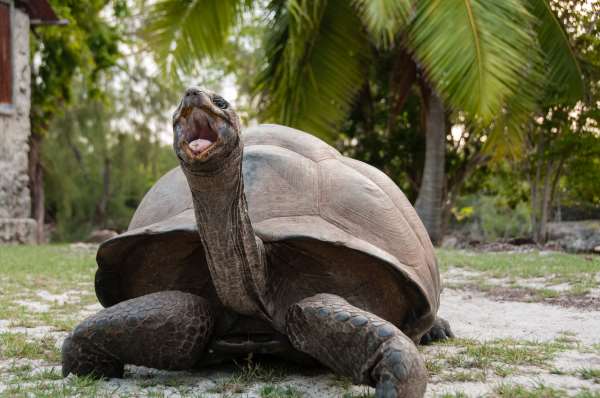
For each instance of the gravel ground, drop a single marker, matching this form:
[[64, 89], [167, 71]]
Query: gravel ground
[[503, 346]]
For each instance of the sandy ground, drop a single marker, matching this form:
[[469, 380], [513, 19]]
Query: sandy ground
[[472, 314]]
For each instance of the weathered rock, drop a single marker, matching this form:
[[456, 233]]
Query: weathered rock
[[576, 236], [450, 242], [100, 235]]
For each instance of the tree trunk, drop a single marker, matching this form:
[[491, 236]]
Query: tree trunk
[[429, 200], [102, 206], [542, 232], [536, 199], [403, 76], [36, 184]]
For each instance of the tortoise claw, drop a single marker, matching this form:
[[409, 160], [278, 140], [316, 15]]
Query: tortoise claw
[[440, 331]]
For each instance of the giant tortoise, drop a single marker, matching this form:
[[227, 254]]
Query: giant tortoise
[[271, 242]]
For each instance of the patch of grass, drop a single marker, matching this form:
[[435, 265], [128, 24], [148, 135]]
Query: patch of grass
[[565, 267], [19, 370], [517, 391], [231, 384], [172, 382], [458, 394], [75, 386], [155, 394], [541, 294], [590, 374], [341, 382], [46, 375], [503, 370], [508, 352], [17, 345], [58, 322], [557, 371], [247, 374], [363, 394], [587, 394], [462, 376], [540, 391], [567, 338], [434, 366], [271, 391], [474, 360], [10, 310], [47, 267], [581, 288], [256, 372]]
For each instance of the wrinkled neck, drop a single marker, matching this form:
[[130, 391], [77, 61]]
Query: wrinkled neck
[[234, 254]]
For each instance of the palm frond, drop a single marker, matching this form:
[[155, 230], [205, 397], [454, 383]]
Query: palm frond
[[562, 68], [477, 53], [384, 18], [316, 56], [183, 32]]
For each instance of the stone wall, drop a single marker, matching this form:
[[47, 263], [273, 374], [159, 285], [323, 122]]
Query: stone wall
[[16, 226]]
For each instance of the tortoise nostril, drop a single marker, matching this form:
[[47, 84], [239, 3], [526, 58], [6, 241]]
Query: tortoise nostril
[[192, 92]]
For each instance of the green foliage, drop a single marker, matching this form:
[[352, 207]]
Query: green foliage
[[391, 142], [60, 54], [384, 18], [101, 158], [189, 31], [479, 66], [493, 205], [102, 117], [580, 185], [560, 60], [491, 217], [317, 52], [315, 64]]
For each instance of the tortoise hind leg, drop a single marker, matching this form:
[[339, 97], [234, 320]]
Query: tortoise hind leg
[[165, 330], [356, 343]]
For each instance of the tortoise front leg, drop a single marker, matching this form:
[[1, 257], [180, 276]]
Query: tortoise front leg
[[358, 344], [164, 330]]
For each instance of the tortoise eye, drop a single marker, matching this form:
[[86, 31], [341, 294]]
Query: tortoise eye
[[220, 102]]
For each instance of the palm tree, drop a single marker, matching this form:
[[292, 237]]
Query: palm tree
[[485, 58]]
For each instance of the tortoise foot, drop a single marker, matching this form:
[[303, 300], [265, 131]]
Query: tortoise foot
[[84, 359], [357, 344], [164, 330], [439, 331], [400, 370]]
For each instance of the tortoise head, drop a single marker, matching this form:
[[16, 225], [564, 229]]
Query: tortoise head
[[206, 128]]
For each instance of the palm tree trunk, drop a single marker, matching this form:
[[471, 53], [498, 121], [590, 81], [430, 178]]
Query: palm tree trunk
[[429, 200]]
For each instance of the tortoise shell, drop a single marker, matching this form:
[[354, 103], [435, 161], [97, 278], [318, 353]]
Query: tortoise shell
[[329, 224]]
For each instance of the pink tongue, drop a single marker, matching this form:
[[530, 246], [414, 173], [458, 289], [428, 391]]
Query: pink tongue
[[199, 145]]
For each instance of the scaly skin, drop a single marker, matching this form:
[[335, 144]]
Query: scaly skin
[[357, 344], [165, 330]]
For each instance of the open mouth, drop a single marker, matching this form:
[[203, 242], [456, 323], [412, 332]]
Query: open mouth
[[199, 132]]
